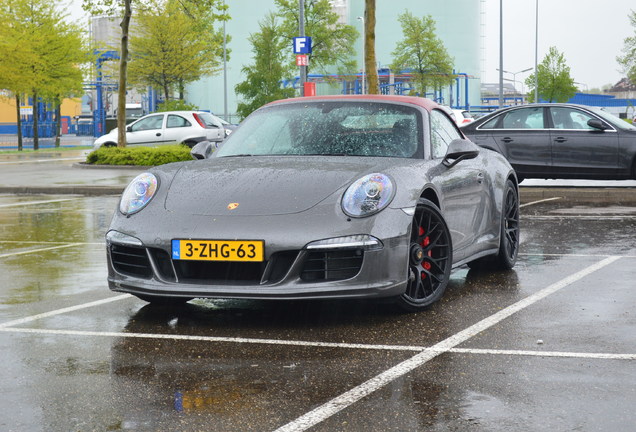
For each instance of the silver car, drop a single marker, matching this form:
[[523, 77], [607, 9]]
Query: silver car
[[319, 197], [171, 127]]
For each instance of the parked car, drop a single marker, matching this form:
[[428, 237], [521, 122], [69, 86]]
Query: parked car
[[460, 116], [319, 197], [559, 141], [171, 127]]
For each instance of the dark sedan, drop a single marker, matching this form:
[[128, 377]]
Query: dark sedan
[[559, 141]]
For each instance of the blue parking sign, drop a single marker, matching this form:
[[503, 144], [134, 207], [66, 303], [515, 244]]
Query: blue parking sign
[[302, 45]]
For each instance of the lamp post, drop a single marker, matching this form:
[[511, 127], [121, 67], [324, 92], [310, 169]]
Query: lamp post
[[301, 33], [514, 77], [501, 99], [364, 55], [536, 54]]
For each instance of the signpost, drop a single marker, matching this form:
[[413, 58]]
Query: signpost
[[302, 49]]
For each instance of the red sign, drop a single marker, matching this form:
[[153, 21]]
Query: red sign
[[302, 60]]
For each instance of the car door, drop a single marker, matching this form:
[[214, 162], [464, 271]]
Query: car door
[[522, 137], [579, 150], [177, 129], [146, 131], [463, 188]]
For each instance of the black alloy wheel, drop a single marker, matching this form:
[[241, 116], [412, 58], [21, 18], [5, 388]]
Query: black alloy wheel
[[506, 257], [509, 243], [430, 258]]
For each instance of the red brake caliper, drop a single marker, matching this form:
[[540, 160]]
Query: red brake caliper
[[425, 242]]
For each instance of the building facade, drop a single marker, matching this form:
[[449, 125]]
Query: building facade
[[460, 25]]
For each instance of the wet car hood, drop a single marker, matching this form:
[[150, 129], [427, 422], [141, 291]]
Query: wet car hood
[[260, 185]]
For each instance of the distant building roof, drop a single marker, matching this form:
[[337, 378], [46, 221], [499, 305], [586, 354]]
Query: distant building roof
[[493, 88], [622, 86]]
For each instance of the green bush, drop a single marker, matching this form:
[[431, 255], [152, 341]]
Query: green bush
[[145, 156]]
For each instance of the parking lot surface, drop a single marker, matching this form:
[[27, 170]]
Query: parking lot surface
[[547, 346]]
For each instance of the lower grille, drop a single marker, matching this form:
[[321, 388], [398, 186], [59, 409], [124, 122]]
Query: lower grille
[[332, 265], [132, 261]]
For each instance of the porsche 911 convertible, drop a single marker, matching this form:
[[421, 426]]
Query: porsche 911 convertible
[[319, 197]]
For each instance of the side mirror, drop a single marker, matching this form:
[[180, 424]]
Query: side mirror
[[202, 150], [458, 150], [128, 128], [597, 124]]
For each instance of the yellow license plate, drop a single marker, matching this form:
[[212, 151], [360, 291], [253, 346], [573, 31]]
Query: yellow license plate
[[218, 250]]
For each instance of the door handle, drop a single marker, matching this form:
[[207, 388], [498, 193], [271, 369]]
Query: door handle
[[158, 133], [480, 178], [507, 140], [560, 139]]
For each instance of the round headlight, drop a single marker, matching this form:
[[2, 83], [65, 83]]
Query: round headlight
[[138, 193], [368, 195]]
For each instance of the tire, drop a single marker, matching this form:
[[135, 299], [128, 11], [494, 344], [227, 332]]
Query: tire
[[163, 301], [506, 257], [430, 258]]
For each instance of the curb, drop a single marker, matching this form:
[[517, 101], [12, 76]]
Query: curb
[[63, 190], [626, 195], [526, 194]]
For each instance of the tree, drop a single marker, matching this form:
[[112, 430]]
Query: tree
[[172, 47], [628, 60], [369, 44], [555, 82], [262, 82], [123, 8], [41, 54], [331, 40], [423, 53]]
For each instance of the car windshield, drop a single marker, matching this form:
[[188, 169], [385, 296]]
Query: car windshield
[[612, 119], [328, 128]]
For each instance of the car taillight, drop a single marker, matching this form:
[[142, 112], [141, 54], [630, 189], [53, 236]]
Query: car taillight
[[199, 120]]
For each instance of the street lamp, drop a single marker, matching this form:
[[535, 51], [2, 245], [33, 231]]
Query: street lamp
[[364, 55], [514, 78]]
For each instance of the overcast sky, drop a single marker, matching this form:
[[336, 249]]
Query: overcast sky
[[590, 33]]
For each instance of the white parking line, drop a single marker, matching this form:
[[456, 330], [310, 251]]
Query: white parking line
[[27, 203], [308, 344], [540, 201], [62, 311], [600, 356], [28, 161], [350, 397], [39, 250]]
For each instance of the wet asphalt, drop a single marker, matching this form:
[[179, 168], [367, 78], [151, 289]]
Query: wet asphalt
[[548, 346]]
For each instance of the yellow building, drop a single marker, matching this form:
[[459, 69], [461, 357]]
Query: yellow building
[[8, 116]]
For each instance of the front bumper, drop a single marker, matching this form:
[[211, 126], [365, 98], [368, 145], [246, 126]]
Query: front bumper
[[291, 269]]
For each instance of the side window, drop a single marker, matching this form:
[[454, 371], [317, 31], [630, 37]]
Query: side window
[[148, 123], [569, 118], [176, 121], [443, 131], [524, 118]]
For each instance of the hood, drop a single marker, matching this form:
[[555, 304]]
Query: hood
[[260, 185]]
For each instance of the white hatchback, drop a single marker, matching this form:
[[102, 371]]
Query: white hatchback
[[171, 127]]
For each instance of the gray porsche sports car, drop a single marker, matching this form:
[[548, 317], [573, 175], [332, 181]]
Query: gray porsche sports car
[[319, 197]]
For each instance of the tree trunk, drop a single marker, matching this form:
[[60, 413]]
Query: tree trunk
[[58, 121], [36, 144], [19, 117], [369, 43], [123, 69]]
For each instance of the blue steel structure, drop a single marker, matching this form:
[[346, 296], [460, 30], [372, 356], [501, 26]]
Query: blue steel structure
[[399, 84]]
